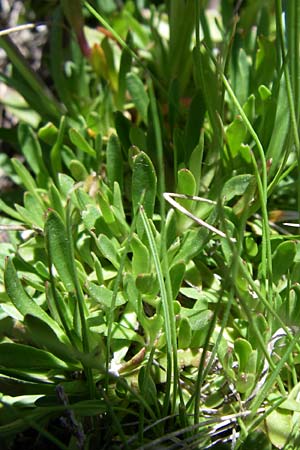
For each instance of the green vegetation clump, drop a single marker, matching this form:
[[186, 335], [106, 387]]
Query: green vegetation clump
[[149, 269]]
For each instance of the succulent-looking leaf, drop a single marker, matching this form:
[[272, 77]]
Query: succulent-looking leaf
[[143, 183], [80, 142], [141, 257], [59, 249], [184, 334], [279, 426]]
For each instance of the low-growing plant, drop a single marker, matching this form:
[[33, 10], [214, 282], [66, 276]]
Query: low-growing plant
[[149, 293]]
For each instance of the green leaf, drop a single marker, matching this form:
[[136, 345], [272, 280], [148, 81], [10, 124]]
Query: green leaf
[[240, 75], [59, 308], [176, 276], [104, 296], [30, 359], [143, 183], [279, 127], [31, 149], [147, 283], [114, 162], [123, 125], [184, 334], [181, 17], [198, 319], [21, 300], [138, 138], [141, 256], [279, 425], [139, 96], [25, 176], [10, 211], [34, 209], [56, 150], [265, 61], [48, 133], [109, 250], [243, 351], [236, 186], [56, 201], [59, 250], [80, 142], [245, 382], [235, 135], [194, 124], [78, 171], [44, 337], [195, 162], [125, 64], [118, 201], [186, 183], [283, 259], [192, 243]]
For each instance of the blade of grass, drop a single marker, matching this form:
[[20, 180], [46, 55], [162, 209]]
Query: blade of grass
[[163, 249]]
